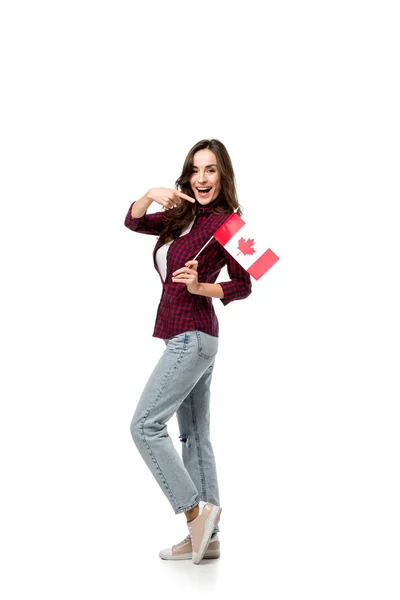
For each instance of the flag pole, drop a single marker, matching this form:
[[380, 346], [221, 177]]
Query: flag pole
[[201, 249]]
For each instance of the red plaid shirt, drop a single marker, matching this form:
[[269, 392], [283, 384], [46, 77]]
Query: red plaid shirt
[[179, 310]]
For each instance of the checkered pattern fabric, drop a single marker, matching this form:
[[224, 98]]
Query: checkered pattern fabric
[[178, 309]]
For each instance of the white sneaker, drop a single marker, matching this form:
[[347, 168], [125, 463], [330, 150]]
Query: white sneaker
[[202, 527]]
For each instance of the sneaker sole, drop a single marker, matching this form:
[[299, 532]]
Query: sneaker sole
[[211, 522], [188, 555]]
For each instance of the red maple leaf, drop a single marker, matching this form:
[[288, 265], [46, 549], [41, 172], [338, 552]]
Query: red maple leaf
[[245, 246]]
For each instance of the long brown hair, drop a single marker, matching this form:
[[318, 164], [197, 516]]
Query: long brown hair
[[176, 219]]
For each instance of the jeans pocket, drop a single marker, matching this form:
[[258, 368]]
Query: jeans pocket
[[176, 342], [207, 345]]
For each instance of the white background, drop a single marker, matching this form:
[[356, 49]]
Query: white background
[[101, 101]]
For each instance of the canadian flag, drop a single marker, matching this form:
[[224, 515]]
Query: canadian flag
[[236, 237]]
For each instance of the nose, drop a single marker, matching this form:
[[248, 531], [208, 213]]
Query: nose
[[202, 178]]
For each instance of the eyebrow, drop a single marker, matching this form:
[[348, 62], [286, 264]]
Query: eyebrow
[[194, 167]]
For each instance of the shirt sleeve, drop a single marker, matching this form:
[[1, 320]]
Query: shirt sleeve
[[152, 223], [239, 286]]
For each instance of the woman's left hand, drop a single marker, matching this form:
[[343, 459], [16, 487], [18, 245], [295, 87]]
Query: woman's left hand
[[188, 275]]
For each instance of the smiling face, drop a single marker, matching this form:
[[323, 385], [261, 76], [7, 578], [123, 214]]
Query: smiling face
[[205, 175]]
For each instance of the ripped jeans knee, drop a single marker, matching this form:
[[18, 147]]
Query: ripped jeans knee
[[184, 438]]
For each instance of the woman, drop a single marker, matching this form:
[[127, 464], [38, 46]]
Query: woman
[[188, 325]]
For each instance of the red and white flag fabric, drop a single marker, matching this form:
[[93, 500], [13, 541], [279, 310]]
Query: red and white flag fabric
[[251, 253]]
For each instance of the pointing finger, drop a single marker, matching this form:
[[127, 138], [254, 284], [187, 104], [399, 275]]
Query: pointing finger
[[185, 197]]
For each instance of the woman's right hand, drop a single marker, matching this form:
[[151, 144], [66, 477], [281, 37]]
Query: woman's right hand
[[168, 198]]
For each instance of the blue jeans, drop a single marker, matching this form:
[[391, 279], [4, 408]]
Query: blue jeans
[[180, 383]]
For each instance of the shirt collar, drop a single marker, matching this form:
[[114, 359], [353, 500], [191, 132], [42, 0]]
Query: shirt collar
[[204, 208]]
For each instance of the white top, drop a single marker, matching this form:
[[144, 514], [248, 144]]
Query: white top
[[161, 254]]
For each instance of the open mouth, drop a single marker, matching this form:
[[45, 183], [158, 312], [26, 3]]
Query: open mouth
[[203, 192]]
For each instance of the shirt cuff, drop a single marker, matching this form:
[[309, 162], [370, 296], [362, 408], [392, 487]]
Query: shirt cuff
[[132, 222], [234, 290]]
